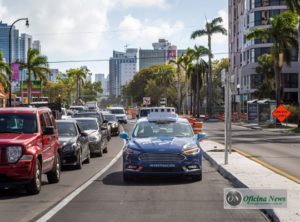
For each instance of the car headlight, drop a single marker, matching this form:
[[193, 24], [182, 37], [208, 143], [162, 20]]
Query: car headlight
[[191, 150], [132, 151], [94, 139], [69, 147], [14, 153]]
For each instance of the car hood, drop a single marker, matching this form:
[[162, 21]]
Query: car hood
[[161, 144], [90, 132], [65, 140], [15, 138]]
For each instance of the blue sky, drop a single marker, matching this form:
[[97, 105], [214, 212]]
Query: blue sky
[[92, 29]]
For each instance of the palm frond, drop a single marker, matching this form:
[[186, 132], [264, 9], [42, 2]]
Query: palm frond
[[198, 33]]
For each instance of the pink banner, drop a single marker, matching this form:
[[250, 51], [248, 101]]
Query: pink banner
[[15, 72]]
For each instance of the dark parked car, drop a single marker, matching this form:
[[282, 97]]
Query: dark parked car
[[74, 143], [101, 121], [97, 143], [113, 123]]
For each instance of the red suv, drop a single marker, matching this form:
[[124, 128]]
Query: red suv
[[29, 147]]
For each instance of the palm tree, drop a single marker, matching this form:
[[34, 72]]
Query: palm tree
[[283, 35], [200, 68], [79, 75], [5, 72], [37, 67], [210, 29], [178, 63]]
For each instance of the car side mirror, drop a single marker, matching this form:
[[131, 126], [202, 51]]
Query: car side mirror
[[105, 121], [200, 136], [49, 130], [124, 135]]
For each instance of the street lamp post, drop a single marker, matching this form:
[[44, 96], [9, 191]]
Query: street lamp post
[[9, 51]]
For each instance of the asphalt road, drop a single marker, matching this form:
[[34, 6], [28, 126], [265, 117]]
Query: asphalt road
[[280, 150], [16, 205], [108, 198]]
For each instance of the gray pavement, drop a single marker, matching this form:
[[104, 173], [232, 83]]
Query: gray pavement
[[154, 199], [278, 149]]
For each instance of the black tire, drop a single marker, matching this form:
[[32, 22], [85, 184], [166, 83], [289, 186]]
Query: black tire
[[197, 177], [127, 178], [78, 166], [88, 159], [99, 154], [34, 187], [54, 175], [105, 150]]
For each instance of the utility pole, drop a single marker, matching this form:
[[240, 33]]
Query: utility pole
[[227, 116]]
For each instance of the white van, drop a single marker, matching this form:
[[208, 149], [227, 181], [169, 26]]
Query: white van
[[120, 114]]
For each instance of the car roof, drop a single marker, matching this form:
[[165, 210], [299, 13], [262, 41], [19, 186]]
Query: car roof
[[85, 118], [66, 121], [24, 110], [116, 107], [179, 119], [87, 112]]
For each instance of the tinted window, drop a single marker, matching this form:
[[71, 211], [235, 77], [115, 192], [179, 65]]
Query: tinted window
[[48, 119], [19, 123], [144, 112], [66, 129], [87, 124], [117, 111], [43, 124]]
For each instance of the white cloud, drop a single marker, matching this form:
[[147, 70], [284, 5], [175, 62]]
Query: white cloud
[[134, 30], [219, 38], [143, 3]]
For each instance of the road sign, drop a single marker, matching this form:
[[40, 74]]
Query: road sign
[[146, 101], [281, 113]]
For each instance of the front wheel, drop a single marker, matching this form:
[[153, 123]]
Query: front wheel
[[54, 175], [79, 160], [34, 187]]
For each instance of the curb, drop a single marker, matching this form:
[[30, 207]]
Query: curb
[[238, 183]]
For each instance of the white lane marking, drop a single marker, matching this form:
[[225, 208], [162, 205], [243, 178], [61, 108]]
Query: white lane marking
[[76, 192]]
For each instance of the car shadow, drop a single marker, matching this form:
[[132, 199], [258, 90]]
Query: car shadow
[[12, 193], [116, 179]]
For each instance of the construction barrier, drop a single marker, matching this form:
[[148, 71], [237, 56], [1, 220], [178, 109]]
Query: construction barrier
[[196, 124]]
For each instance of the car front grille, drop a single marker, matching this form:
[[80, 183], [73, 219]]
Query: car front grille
[[161, 157]]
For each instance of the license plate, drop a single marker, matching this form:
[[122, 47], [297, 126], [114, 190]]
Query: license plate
[[161, 165]]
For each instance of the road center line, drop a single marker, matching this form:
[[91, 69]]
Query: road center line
[[76, 192]]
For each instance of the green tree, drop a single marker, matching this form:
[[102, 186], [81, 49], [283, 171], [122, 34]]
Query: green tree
[[210, 29], [78, 75], [37, 68], [196, 75], [283, 35], [5, 72], [91, 91], [265, 69]]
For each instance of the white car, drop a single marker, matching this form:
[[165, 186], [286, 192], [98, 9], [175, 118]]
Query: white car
[[120, 114], [64, 114]]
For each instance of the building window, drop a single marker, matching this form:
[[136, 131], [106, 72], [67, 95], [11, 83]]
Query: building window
[[290, 80], [256, 80]]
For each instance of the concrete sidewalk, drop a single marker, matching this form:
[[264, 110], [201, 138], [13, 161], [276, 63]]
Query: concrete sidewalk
[[259, 127], [243, 172]]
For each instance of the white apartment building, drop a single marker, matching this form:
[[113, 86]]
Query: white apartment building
[[245, 15]]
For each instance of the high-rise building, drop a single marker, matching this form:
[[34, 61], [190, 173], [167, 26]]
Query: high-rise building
[[162, 52], [25, 44], [101, 78], [4, 42], [53, 75], [243, 17], [122, 67], [37, 45]]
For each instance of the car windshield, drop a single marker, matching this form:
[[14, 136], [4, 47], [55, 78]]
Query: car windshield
[[77, 108], [87, 124], [156, 129], [18, 123], [109, 117], [66, 129], [117, 111]]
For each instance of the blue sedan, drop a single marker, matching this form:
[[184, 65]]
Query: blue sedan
[[162, 146]]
